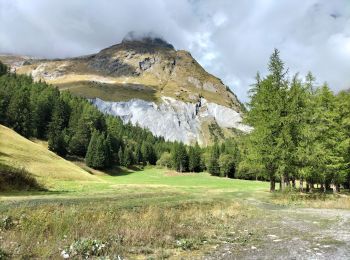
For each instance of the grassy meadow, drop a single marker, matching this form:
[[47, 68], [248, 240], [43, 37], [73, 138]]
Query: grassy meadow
[[152, 212], [146, 213]]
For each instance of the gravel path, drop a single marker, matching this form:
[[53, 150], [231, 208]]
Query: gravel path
[[290, 233]]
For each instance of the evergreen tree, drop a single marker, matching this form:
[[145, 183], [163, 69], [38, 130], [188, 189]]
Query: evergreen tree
[[267, 115], [148, 153], [128, 159], [59, 121], [19, 112], [343, 109], [213, 165], [98, 153], [179, 157], [194, 158], [3, 69]]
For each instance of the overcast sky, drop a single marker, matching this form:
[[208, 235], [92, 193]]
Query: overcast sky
[[231, 39]]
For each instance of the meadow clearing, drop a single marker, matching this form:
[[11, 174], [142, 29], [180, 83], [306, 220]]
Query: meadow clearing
[[157, 214], [154, 213]]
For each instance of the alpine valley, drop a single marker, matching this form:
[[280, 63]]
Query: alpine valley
[[149, 83]]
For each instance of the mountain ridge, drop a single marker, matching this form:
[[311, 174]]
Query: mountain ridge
[[148, 69]]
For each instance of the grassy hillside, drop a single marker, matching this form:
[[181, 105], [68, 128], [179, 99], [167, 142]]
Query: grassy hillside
[[19, 152], [133, 69]]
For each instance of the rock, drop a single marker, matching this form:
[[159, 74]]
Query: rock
[[209, 87], [272, 236], [146, 63], [173, 119]]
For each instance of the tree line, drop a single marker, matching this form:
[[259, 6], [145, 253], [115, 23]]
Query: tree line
[[301, 132]]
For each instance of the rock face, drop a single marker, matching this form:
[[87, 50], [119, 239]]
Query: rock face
[[173, 119]]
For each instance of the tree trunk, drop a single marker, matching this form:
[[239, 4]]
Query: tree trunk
[[282, 183], [293, 183], [323, 187], [307, 187], [272, 185], [301, 185], [311, 187]]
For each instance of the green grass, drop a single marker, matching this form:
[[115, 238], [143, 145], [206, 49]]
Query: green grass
[[152, 212], [47, 167], [110, 92]]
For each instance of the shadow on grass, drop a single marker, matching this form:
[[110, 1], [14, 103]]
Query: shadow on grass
[[18, 179], [122, 171], [18, 193]]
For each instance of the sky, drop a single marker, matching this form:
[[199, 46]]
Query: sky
[[231, 39]]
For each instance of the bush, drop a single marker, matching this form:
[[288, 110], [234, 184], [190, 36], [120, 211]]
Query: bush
[[165, 160]]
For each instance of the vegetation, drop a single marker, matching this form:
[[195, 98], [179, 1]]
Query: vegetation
[[148, 212], [47, 168], [300, 131]]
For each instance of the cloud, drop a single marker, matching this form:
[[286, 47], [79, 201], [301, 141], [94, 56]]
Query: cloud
[[231, 39]]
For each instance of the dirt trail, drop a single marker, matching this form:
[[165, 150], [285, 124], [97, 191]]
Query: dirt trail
[[291, 233]]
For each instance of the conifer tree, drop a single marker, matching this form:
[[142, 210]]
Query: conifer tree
[[98, 153], [179, 157], [267, 115], [3, 69], [59, 121], [19, 112], [213, 165], [194, 158]]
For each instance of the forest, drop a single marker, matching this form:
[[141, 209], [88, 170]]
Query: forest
[[301, 132]]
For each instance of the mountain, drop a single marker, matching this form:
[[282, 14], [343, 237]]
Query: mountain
[[147, 82]]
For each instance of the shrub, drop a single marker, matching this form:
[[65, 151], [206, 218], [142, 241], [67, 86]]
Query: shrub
[[165, 160]]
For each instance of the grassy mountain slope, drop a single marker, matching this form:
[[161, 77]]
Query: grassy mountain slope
[[144, 69], [19, 152]]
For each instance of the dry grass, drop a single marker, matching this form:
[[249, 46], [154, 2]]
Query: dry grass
[[129, 232], [313, 200], [20, 152]]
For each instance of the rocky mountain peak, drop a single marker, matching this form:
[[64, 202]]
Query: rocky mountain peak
[[150, 39], [147, 69]]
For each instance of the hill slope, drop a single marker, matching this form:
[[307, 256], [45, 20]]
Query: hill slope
[[46, 166]]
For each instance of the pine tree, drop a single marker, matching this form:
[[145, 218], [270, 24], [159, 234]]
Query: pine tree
[[19, 112], [213, 165], [343, 109], [267, 115], [3, 69], [148, 153], [59, 121], [179, 157], [128, 159], [194, 158], [98, 154]]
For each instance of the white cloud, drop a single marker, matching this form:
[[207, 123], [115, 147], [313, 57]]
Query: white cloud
[[231, 39]]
